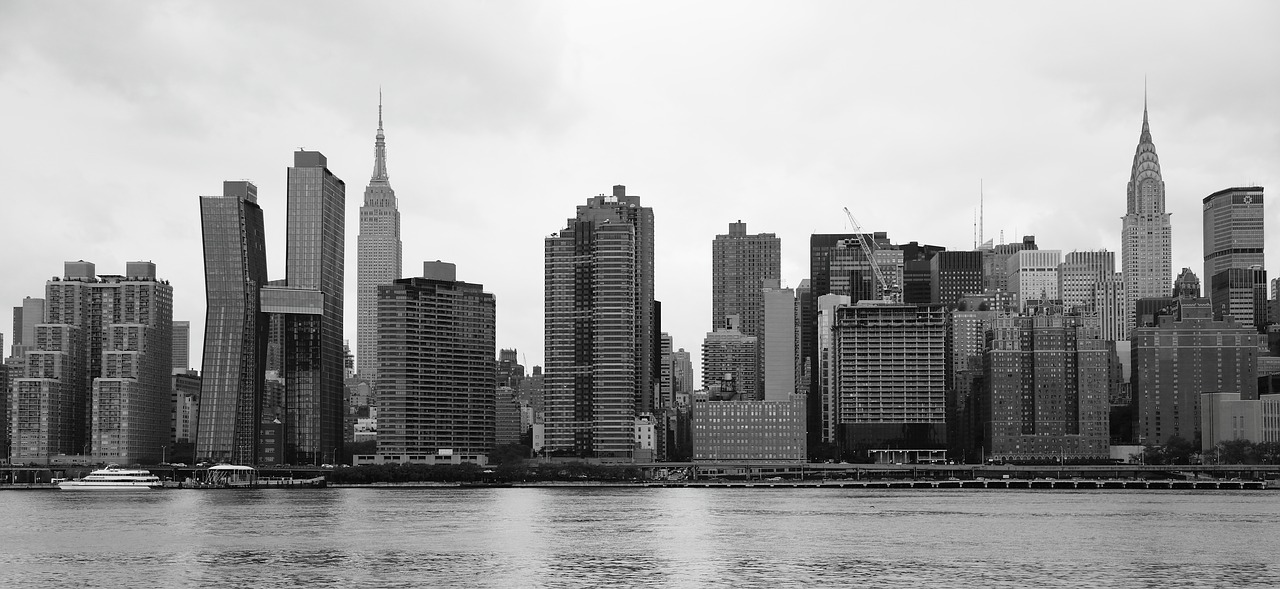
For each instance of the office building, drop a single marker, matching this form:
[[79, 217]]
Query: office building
[[379, 253], [1240, 293], [825, 366], [600, 327], [181, 347], [1234, 261], [954, 275], [1080, 276], [995, 262], [889, 376], [1146, 239], [743, 431], [1033, 276], [1188, 352], [917, 272], [1046, 394], [779, 346], [96, 375], [1233, 230]]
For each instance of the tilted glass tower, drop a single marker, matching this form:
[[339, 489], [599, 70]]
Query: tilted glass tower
[[235, 335], [379, 254], [1146, 237]]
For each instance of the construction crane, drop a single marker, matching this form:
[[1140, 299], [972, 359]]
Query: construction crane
[[888, 292]]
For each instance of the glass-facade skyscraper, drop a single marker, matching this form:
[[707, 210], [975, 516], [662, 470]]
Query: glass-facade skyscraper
[[314, 256], [235, 336]]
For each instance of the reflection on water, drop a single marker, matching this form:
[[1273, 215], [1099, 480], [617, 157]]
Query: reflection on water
[[588, 537]]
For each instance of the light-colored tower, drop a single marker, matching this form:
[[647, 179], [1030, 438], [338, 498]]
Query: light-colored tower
[[379, 254], [1146, 237], [778, 350]]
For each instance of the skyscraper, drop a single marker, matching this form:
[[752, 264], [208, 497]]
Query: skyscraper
[[740, 265], [1234, 261], [1033, 276], [1146, 238], [97, 373], [379, 252], [437, 390], [181, 346], [599, 327], [778, 350], [889, 376], [314, 256], [235, 335]]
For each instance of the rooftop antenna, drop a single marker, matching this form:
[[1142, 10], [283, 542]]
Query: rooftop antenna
[[975, 230], [981, 212]]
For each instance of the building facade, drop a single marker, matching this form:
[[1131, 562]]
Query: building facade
[[954, 275], [379, 254], [727, 353], [740, 265], [1146, 238], [1033, 276], [779, 347], [1046, 395], [749, 431], [181, 347], [95, 376], [1187, 352], [889, 376], [1233, 230], [437, 382], [312, 337], [235, 335], [600, 330]]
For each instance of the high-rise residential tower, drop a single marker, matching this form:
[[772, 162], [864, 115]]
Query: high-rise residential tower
[[437, 392], [314, 258], [235, 335], [600, 330], [379, 254], [1146, 239], [740, 265], [96, 377]]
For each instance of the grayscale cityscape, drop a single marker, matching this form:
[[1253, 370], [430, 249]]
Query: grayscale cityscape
[[808, 291]]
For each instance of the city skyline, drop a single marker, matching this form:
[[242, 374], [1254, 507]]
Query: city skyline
[[112, 139]]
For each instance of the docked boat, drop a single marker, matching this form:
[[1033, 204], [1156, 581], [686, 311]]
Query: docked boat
[[114, 478]]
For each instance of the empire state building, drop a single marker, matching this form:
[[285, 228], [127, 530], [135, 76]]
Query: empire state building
[[1146, 237], [378, 252]]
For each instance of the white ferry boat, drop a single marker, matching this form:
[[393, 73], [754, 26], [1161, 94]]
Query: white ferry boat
[[113, 478]]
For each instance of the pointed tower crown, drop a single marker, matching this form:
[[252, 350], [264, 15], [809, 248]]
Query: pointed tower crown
[[1146, 185], [380, 149]]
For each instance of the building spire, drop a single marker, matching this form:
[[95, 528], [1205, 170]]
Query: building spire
[[380, 148]]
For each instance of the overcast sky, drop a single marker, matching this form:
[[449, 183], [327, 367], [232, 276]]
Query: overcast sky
[[501, 117]]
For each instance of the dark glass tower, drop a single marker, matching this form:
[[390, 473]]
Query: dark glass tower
[[314, 249], [235, 337]]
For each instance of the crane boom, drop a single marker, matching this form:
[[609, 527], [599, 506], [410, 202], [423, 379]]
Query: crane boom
[[886, 290]]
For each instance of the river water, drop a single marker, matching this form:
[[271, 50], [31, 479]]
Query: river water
[[592, 537]]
